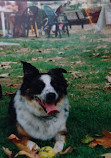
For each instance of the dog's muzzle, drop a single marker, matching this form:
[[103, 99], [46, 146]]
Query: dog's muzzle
[[49, 107]]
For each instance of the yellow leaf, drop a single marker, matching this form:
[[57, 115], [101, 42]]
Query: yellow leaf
[[87, 139]]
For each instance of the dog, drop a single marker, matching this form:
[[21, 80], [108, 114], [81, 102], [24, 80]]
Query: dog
[[40, 106]]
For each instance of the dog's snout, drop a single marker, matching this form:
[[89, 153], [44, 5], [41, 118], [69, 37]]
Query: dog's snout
[[50, 97]]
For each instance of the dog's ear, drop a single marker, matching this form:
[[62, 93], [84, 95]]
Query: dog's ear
[[57, 71], [29, 70]]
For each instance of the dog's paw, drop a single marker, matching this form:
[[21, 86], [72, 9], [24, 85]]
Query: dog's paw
[[58, 147], [32, 146]]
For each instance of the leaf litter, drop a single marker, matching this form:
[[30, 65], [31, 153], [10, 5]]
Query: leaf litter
[[105, 140], [32, 152]]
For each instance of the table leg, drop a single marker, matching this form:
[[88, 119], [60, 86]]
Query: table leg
[[3, 23]]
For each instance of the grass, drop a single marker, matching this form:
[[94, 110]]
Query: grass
[[90, 111]]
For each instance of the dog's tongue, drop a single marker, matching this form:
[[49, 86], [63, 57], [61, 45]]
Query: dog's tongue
[[50, 108]]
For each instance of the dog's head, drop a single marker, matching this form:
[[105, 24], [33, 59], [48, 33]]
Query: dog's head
[[46, 89]]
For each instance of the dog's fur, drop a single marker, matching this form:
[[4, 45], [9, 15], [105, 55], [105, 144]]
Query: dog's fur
[[32, 119]]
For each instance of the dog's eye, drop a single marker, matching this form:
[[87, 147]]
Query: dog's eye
[[37, 87]]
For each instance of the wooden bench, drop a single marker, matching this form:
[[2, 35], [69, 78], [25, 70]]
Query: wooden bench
[[77, 17]]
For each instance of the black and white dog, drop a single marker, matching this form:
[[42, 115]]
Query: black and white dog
[[40, 106]]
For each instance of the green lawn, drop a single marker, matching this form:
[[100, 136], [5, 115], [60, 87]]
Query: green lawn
[[82, 55]]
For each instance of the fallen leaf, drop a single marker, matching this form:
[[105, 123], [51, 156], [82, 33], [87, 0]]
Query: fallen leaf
[[102, 46], [83, 37], [87, 139], [55, 59], [105, 60], [36, 59], [104, 141], [20, 76], [108, 78], [60, 53], [104, 56], [15, 85], [5, 66], [107, 86], [75, 74], [108, 155], [7, 152], [7, 63], [10, 94], [86, 51], [4, 75], [68, 149], [26, 154], [23, 145], [96, 54]]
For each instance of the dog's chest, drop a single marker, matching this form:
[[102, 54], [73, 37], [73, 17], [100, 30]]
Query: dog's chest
[[40, 128]]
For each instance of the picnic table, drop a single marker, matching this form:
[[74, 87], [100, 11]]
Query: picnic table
[[77, 17]]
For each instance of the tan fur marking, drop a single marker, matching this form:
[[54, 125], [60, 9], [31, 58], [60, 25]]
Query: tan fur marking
[[59, 102], [63, 132], [22, 132]]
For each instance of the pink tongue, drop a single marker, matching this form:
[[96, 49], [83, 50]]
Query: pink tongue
[[50, 108]]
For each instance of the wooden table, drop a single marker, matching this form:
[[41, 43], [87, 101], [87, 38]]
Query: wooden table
[[3, 10]]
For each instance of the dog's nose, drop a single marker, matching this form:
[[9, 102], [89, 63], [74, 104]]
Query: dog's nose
[[50, 97]]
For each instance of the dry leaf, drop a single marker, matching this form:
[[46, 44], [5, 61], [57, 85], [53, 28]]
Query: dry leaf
[[108, 155], [108, 78], [7, 63], [105, 60], [60, 53], [10, 94], [83, 37], [23, 145], [4, 75], [20, 76], [15, 85], [26, 154], [67, 149], [5, 66], [96, 54], [7, 152], [75, 74], [104, 141], [104, 56], [87, 139], [102, 46], [53, 59], [36, 59], [107, 86]]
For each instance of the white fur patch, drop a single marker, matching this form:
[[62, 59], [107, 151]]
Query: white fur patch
[[48, 87], [32, 145]]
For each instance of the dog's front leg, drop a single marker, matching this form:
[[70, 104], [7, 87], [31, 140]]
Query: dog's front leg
[[60, 140], [32, 145]]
